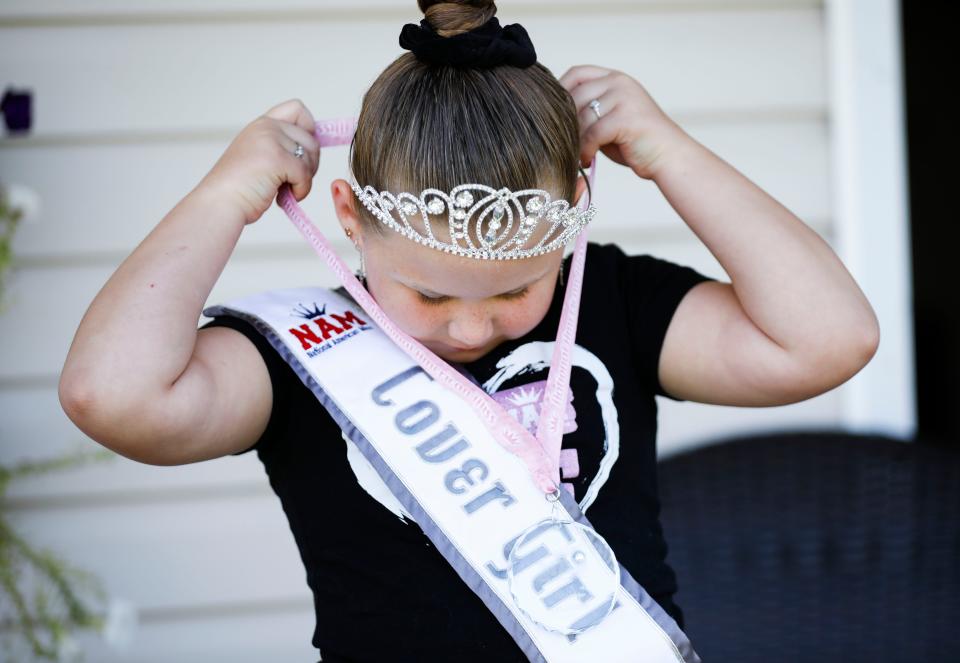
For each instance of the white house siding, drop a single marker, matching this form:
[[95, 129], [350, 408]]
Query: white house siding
[[133, 103]]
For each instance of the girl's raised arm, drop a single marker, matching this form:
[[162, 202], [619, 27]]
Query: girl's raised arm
[[139, 377]]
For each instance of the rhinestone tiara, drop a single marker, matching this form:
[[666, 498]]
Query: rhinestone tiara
[[467, 206]]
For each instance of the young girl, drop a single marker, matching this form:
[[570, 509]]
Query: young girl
[[471, 109]]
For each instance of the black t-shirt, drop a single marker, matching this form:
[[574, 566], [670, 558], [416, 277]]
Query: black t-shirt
[[381, 589]]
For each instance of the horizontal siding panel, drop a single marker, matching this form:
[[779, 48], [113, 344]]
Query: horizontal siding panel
[[168, 555], [26, 352], [152, 9], [81, 217], [113, 476], [789, 160], [685, 426], [225, 74], [248, 638]]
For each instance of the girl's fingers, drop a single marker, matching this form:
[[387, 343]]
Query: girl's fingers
[[596, 133], [298, 173], [592, 83], [304, 120], [587, 118], [311, 146], [294, 112], [592, 89], [576, 75]]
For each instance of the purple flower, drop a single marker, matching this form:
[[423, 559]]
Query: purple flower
[[15, 107]]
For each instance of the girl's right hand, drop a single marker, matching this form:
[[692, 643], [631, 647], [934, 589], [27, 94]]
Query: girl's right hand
[[260, 159]]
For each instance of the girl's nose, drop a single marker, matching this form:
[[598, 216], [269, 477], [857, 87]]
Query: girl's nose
[[471, 328]]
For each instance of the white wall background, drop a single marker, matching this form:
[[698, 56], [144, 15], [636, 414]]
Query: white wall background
[[135, 100]]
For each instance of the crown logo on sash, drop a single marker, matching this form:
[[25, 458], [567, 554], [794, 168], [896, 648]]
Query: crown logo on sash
[[307, 313]]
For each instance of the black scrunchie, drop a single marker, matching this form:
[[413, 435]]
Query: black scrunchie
[[487, 46]]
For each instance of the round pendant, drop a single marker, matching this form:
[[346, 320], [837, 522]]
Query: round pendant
[[563, 576]]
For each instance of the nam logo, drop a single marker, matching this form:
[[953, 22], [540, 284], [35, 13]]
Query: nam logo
[[326, 330]]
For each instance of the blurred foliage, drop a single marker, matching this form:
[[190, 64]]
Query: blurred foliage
[[43, 598], [9, 219]]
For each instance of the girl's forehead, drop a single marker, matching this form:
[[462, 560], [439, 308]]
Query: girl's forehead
[[438, 273]]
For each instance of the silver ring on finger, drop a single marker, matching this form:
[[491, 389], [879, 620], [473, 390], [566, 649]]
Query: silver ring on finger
[[298, 152], [595, 107]]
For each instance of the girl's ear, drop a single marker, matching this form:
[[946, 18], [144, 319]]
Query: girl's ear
[[343, 205]]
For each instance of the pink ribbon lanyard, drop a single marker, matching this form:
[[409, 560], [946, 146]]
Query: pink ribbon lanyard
[[541, 453]]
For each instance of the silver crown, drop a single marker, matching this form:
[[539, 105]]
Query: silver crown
[[465, 216]]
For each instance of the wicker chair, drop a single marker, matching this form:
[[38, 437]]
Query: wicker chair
[[816, 546]]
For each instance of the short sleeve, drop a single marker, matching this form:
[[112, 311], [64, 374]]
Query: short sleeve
[[652, 288], [279, 370]]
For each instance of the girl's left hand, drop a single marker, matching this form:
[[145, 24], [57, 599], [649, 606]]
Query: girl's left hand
[[631, 130]]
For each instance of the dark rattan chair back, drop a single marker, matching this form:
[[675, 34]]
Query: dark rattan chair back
[[816, 546]]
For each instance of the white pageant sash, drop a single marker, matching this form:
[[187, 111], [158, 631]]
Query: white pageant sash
[[471, 496]]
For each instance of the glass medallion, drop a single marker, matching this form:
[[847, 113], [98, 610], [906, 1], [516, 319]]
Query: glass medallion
[[563, 575]]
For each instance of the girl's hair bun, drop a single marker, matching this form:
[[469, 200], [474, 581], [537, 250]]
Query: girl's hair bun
[[454, 17], [462, 42]]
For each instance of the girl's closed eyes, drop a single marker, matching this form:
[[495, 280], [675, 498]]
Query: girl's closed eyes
[[435, 301]]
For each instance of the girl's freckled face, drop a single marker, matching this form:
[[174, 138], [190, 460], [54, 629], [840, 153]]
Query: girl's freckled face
[[460, 308]]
